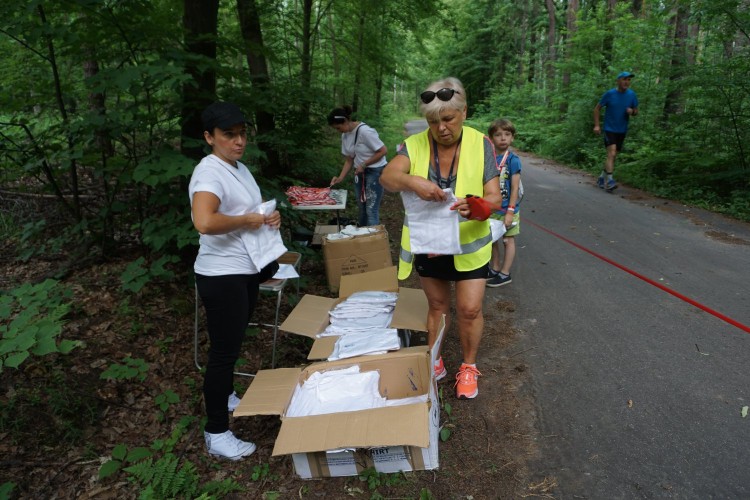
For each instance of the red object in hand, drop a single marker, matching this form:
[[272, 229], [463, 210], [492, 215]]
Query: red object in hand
[[479, 208]]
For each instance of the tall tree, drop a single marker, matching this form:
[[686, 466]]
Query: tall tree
[[570, 30], [200, 22], [674, 103], [551, 42], [250, 27]]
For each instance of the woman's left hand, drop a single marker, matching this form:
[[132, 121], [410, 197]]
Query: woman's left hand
[[273, 220], [462, 207]]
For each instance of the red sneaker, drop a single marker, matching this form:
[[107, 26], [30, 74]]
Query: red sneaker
[[440, 371], [466, 382]]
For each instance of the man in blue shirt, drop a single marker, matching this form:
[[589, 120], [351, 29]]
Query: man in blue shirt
[[621, 104]]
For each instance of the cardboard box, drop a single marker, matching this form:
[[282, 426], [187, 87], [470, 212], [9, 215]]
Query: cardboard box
[[391, 439], [310, 315], [358, 254], [321, 231]]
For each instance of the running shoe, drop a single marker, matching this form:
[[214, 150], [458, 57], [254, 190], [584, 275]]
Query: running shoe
[[611, 184], [498, 280], [466, 382], [600, 182], [226, 445], [440, 371]]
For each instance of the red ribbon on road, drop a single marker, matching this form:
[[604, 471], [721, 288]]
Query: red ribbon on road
[[680, 296]]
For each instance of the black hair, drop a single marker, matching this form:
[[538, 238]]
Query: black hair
[[340, 115]]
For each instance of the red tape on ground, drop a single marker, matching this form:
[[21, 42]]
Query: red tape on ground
[[644, 278]]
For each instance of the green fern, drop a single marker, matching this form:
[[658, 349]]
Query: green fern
[[165, 478]]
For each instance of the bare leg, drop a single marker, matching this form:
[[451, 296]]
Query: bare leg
[[495, 262], [438, 294], [609, 165], [469, 319], [510, 254]]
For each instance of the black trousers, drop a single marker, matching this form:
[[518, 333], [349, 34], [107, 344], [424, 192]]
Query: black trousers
[[229, 302]]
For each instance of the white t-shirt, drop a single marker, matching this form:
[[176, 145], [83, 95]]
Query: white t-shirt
[[222, 254], [368, 142]]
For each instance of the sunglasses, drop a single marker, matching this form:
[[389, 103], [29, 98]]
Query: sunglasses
[[443, 94]]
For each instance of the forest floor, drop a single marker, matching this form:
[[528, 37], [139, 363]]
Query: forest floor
[[59, 421]]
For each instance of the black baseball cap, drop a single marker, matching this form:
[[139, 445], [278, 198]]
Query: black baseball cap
[[223, 115]]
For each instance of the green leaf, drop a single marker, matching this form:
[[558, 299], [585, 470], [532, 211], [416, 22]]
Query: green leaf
[[109, 468], [44, 346], [744, 411], [119, 452], [138, 453], [15, 360], [68, 345], [445, 433]]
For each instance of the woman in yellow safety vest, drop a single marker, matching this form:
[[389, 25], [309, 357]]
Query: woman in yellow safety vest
[[449, 155]]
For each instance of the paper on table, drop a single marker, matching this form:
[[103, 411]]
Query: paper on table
[[286, 271]]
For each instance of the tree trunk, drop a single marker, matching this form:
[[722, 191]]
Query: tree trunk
[[306, 66], [200, 21], [260, 78], [75, 208], [334, 58], [551, 36], [523, 35], [570, 24], [673, 103], [637, 8], [533, 40], [358, 69]]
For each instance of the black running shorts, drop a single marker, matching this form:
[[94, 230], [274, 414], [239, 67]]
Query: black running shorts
[[442, 268]]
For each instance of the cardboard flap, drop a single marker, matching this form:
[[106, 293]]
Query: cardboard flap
[[384, 280], [435, 351], [411, 310], [309, 317], [393, 426], [322, 347], [269, 393]]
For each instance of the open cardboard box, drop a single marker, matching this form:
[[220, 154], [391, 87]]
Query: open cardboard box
[[355, 255], [310, 316], [390, 439]]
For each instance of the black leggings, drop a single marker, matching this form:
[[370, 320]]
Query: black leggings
[[229, 302]]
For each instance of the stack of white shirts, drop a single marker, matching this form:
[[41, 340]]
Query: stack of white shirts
[[350, 231], [341, 390], [335, 391], [361, 323]]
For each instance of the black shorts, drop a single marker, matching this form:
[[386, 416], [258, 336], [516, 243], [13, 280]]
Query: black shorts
[[614, 138], [442, 268]]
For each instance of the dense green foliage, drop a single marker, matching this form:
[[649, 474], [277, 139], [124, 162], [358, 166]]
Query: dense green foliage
[[92, 107], [95, 160]]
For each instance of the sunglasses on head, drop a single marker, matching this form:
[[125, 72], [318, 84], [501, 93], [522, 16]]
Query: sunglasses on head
[[443, 94]]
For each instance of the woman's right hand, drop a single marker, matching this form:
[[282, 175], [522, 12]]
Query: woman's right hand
[[334, 181], [427, 190], [254, 220]]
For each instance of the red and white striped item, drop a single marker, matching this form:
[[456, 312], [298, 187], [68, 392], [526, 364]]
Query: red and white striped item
[[305, 196]]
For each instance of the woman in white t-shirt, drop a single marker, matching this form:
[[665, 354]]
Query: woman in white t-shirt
[[362, 148], [232, 262]]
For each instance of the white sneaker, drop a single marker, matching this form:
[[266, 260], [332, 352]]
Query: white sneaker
[[233, 402], [228, 446]]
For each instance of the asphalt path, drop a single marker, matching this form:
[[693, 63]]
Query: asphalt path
[[631, 312]]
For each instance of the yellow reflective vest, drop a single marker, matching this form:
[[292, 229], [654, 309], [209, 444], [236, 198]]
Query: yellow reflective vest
[[474, 236]]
